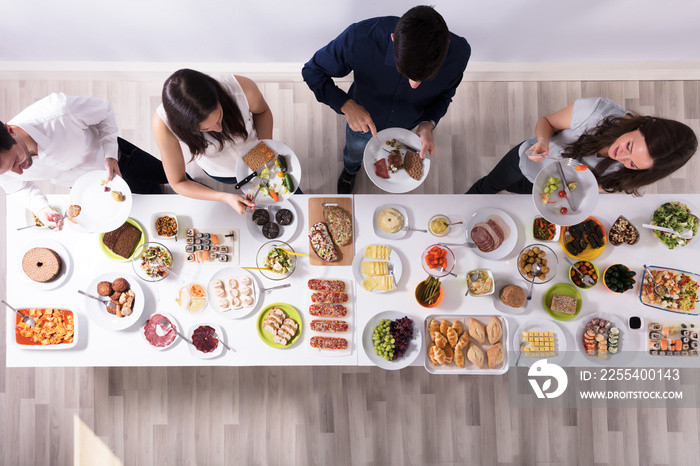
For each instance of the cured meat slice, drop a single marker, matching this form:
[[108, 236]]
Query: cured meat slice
[[334, 297], [482, 238], [317, 284], [328, 310], [333, 343], [322, 325], [380, 169], [204, 339], [499, 226], [157, 331]]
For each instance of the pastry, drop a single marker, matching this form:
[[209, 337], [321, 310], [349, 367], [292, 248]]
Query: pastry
[[477, 331], [495, 355], [476, 355], [440, 340], [452, 336], [494, 331], [459, 357], [444, 325]]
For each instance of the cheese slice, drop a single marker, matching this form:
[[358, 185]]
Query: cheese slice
[[384, 283], [374, 268], [369, 283], [376, 251]]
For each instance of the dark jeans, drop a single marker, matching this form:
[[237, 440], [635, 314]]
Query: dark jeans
[[354, 150], [505, 175], [142, 172], [233, 180]]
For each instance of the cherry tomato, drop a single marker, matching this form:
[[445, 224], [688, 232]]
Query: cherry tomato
[[563, 210], [562, 194]]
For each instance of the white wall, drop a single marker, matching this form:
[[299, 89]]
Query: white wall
[[263, 31]]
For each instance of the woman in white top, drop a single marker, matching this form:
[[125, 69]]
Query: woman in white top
[[215, 118], [624, 150]]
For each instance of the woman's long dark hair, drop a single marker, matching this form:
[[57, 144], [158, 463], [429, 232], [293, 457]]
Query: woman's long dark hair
[[670, 144], [189, 97]]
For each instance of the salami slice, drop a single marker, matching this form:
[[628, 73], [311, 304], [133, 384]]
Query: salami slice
[[322, 325], [329, 297], [328, 310], [333, 343], [317, 284]]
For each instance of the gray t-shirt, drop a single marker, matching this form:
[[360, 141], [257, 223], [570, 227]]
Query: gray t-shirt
[[586, 115]]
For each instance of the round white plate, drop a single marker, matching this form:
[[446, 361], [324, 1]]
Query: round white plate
[[585, 195], [223, 275], [173, 321], [624, 353], [99, 213], [383, 234], [412, 352], [62, 252], [507, 246], [398, 182], [394, 258], [498, 304], [293, 168], [198, 354], [540, 325], [286, 231], [97, 312]]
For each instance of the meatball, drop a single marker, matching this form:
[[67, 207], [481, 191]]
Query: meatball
[[120, 285], [104, 288]]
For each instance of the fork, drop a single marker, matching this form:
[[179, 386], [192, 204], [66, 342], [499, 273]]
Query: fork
[[390, 266], [103, 299], [263, 183], [407, 228], [222, 342]]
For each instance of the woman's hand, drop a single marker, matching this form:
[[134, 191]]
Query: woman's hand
[[50, 218], [538, 152], [238, 203]]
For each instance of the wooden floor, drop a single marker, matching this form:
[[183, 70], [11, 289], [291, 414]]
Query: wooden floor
[[323, 416]]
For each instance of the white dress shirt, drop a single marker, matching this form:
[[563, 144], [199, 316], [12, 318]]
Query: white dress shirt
[[74, 135]]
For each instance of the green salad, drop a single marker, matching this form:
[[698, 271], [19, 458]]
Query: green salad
[[278, 261], [677, 216]]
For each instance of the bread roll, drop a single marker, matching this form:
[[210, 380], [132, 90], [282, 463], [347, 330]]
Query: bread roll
[[494, 331], [439, 355], [448, 354], [459, 357], [457, 325], [444, 325], [440, 340], [476, 355], [463, 341], [495, 355], [477, 330]]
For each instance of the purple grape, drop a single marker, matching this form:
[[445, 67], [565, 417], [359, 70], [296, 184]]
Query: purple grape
[[402, 331]]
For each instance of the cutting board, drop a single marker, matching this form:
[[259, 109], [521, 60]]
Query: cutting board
[[345, 253]]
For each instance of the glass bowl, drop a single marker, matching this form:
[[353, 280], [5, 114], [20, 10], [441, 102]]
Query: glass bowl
[[264, 251], [157, 267], [438, 217], [552, 262], [436, 272]]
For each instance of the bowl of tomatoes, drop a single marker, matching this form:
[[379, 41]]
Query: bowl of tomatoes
[[587, 268]]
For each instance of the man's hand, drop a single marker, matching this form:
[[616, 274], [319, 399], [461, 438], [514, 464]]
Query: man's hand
[[112, 167], [358, 118], [239, 203], [425, 132], [50, 218]]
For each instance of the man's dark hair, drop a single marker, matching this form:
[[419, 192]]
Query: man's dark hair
[[6, 139], [421, 40]]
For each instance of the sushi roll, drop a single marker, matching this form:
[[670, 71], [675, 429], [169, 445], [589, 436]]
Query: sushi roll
[[685, 347], [247, 301], [190, 240], [685, 340], [223, 304], [695, 344], [197, 247], [684, 353], [654, 353], [189, 249], [189, 258], [245, 280], [205, 247], [654, 336], [695, 336], [654, 326], [189, 232], [214, 248], [223, 258], [213, 255], [654, 345], [685, 332], [223, 248], [197, 241], [693, 352], [662, 353], [199, 235], [206, 235], [675, 353]]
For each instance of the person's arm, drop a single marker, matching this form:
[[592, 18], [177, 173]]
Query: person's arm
[[545, 129], [175, 170], [262, 115]]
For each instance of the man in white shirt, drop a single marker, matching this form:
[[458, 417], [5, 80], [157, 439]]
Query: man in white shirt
[[60, 138]]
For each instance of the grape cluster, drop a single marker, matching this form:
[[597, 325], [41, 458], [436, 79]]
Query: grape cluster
[[402, 331], [383, 341]]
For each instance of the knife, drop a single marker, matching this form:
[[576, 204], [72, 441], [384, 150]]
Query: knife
[[408, 147], [254, 174], [569, 197]]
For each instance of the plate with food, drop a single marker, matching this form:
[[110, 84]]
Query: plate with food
[[164, 225], [480, 282], [584, 241], [279, 222], [275, 162], [104, 205], [121, 244], [544, 257], [45, 264], [274, 260], [670, 290], [127, 301], [233, 293], [562, 301], [331, 327], [331, 236], [494, 232], [54, 329], [550, 198], [461, 344], [623, 231], [601, 337], [205, 338], [678, 216], [672, 338], [279, 325], [152, 261], [192, 297], [392, 340], [389, 220], [378, 268], [160, 331], [511, 296], [391, 165], [538, 339]]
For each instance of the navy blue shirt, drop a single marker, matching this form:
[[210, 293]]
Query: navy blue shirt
[[367, 49]]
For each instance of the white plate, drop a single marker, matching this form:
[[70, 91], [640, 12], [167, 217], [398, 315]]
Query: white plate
[[498, 304], [394, 258], [286, 231], [172, 321], [412, 352], [293, 168], [97, 312], [156, 216], [219, 347], [383, 234], [99, 213], [540, 325], [624, 353], [237, 313], [507, 246], [62, 346], [62, 252], [398, 182], [585, 195]]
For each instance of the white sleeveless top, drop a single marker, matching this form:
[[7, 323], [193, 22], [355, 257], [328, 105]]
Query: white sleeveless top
[[215, 162]]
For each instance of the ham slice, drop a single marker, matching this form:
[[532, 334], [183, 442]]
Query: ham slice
[[489, 235], [380, 169]]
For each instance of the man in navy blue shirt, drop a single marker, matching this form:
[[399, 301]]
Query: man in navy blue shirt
[[406, 71]]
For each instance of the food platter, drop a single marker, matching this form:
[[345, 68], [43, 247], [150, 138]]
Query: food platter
[[499, 305], [158, 330], [563, 289], [662, 333], [97, 311], [116, 257], [316, 206], [585, 195], [348, 319], [58, 248], [541, 325], [137, 260], [680, 296], [286, 231], [394, 258], [383, 234], [624, 354], [99, 212], [31, 346], [509, 242], [414, 346], [294, 170], [589, 253], [672, 215], [199, 354], [291, 312], [231, 312], [400, 181]]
